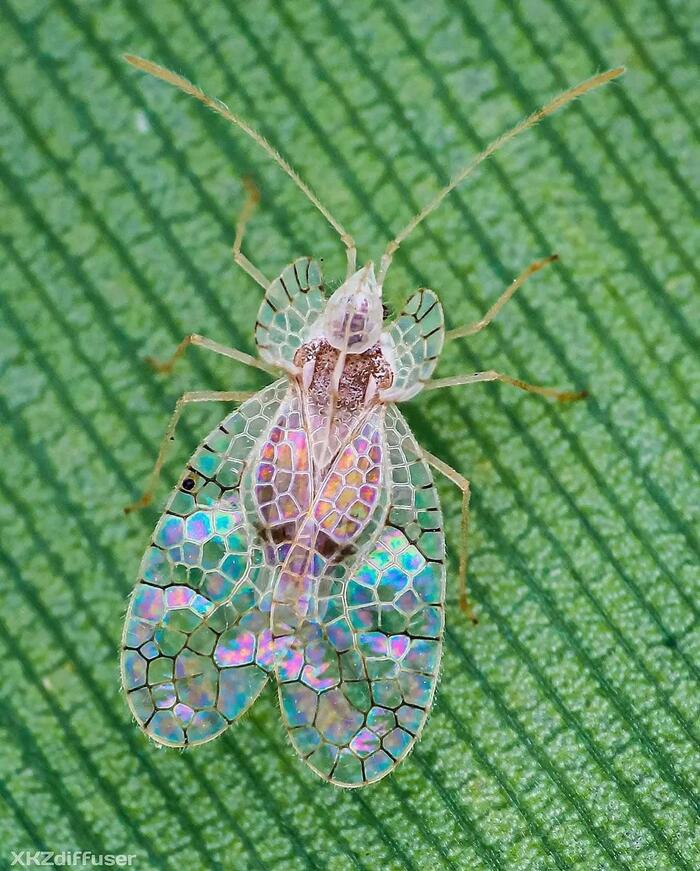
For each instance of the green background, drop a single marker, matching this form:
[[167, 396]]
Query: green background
[[565, 732]]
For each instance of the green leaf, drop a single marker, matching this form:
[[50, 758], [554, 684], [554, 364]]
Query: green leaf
[[565, 732]]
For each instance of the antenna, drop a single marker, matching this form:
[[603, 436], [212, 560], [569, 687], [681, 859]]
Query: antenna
[[222, 109], [526, 123]]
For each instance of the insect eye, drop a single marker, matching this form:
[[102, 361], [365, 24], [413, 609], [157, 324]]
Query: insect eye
[[188, 484]]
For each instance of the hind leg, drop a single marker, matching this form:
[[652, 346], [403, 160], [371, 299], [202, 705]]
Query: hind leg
[[463, 484]]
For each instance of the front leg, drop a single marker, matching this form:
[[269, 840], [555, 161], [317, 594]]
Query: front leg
[[192, 396], [210, 345]]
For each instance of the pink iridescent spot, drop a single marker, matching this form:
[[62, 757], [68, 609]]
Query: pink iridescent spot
[[373, 643], [266, 649], [332, 486], [235, 648], [184, 713], [178, 597], [368, 494], [313, 676], [317, 653], [292, 661], [148, 602], [361, 445], [398, 645], [198, 526], [265, 472], [323, 507], [163, 695], [346, 460], [228, 519], [394, 539], [302, 605], [170, 532], [365, 742], [298, 439]]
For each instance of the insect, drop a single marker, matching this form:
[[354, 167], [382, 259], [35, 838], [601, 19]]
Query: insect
[[304, 539]]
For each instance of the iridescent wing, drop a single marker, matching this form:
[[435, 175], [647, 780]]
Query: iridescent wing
[[293, 303], [357, 687], [415, 342], [196, 649]]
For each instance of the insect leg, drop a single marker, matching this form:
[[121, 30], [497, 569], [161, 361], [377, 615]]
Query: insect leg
[[477, 326], [463, 484], [209, 345], [490, 375], [251, 201], [185, 399]]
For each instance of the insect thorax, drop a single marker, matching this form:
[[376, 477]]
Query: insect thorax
[[334, 403], [354, 386]]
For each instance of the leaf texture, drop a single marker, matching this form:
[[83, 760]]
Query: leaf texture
[[565, 730]]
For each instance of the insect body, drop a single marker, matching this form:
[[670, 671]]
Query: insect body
[[304, 540]]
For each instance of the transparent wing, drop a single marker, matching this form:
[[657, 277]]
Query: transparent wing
[[292, 304], [196, 649], [416, 339], [356, 688]]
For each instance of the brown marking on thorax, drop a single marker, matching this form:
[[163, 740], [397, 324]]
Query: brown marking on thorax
[[356, 374]]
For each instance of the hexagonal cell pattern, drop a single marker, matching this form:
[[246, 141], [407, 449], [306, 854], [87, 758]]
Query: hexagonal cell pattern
[[283, 471], [350, 492], [197, 647], [418, 334], [292, 304], [356, 693]]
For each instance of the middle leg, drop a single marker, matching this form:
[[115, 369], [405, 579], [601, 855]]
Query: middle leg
[[477, 326], [491, 375]]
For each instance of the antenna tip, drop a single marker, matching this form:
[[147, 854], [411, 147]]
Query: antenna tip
[[142, 64]]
